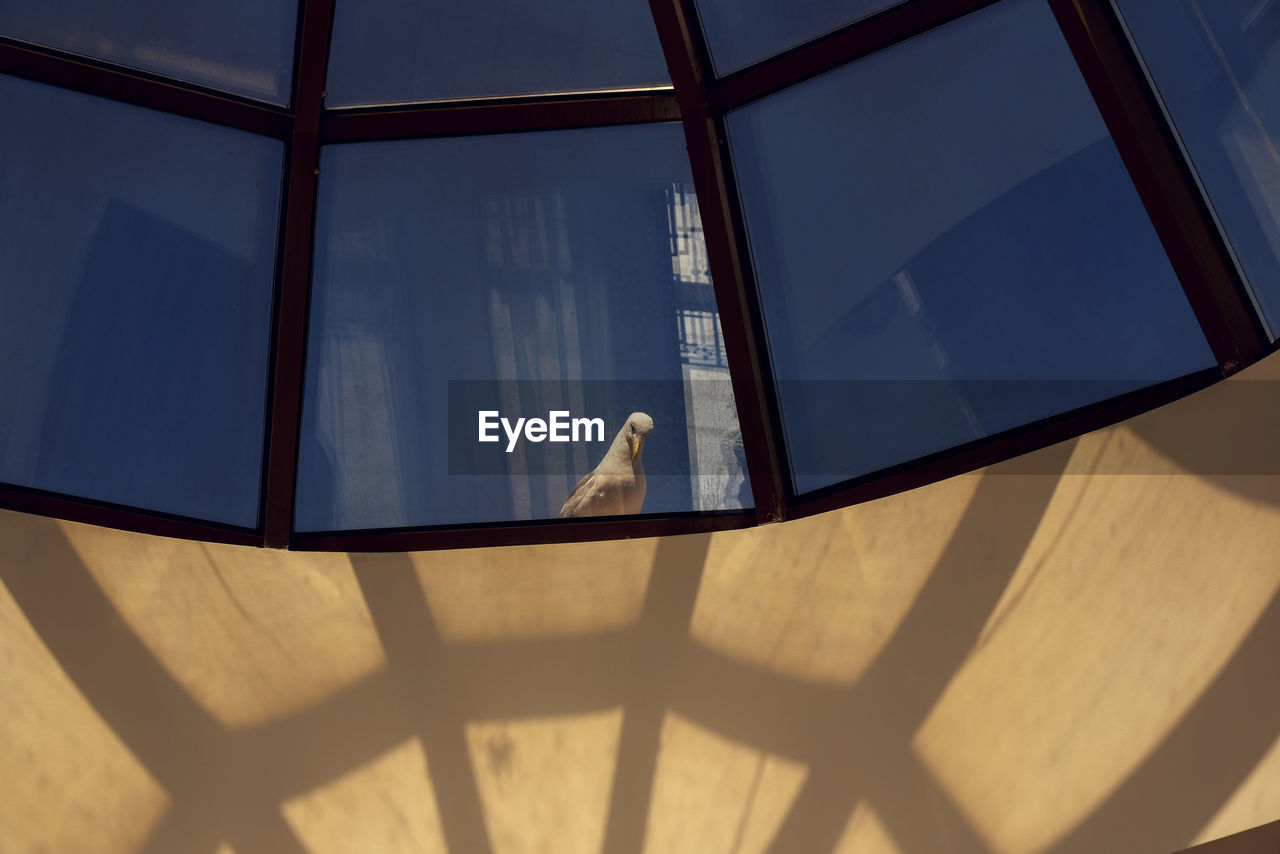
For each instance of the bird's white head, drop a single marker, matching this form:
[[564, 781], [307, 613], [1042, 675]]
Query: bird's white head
[[638, 426]]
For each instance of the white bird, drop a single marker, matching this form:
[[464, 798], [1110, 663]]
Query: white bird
[[616, 486]]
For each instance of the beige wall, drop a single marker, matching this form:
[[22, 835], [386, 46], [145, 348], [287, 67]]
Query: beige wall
[[1073, 652]]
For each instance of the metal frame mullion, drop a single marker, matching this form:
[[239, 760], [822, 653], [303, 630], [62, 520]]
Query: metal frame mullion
[[725, 233], [498, 115], [1001, 447], [1164, 181], [837, 48], [131, 86], [76, 509], [298, 229], [521, 533]]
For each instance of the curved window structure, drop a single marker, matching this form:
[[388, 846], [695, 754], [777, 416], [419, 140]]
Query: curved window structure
[[741, 33], [1217, 68], [269, 295], [958, 250]]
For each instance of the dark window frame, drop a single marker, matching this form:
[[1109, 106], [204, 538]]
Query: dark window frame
[[1093, 31]]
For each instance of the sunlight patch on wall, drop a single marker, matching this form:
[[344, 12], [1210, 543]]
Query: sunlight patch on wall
[[865, 834], [1133, 594], [1255, 802], [71, 785], [251, 634], [818, 598], [712, 795], [545, 783], [386, 804], [526, 592]]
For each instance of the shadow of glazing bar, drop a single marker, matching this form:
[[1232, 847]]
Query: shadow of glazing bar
[[222, 784]]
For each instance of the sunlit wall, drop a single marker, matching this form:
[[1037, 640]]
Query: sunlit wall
[[1071, 652]]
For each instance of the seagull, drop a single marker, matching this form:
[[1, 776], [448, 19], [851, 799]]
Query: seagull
[[616, 486]]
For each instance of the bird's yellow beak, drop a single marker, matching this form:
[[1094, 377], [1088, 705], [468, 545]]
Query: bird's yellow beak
[[635, 446]]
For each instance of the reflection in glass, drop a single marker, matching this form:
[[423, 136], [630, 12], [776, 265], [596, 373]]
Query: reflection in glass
[[396, 51], [242, 46], [135, 303], [1217, 67], [955, 251], [529, 273], [743, 32]]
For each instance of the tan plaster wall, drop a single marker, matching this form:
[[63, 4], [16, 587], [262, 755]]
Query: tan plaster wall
[[1073, 652]]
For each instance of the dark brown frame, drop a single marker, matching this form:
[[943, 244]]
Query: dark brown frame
[[700, 100]]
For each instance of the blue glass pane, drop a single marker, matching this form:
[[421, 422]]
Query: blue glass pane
[[947, 246], [560, 271], [239, 46], [1217, 67], [135, 303], [396, 51], [743, 32]]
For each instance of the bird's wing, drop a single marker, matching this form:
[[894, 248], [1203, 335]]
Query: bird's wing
[[578, 497], [599, 494]]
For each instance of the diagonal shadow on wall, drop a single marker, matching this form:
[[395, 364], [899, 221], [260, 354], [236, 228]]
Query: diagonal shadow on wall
[[856, 741], [222, 784]]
